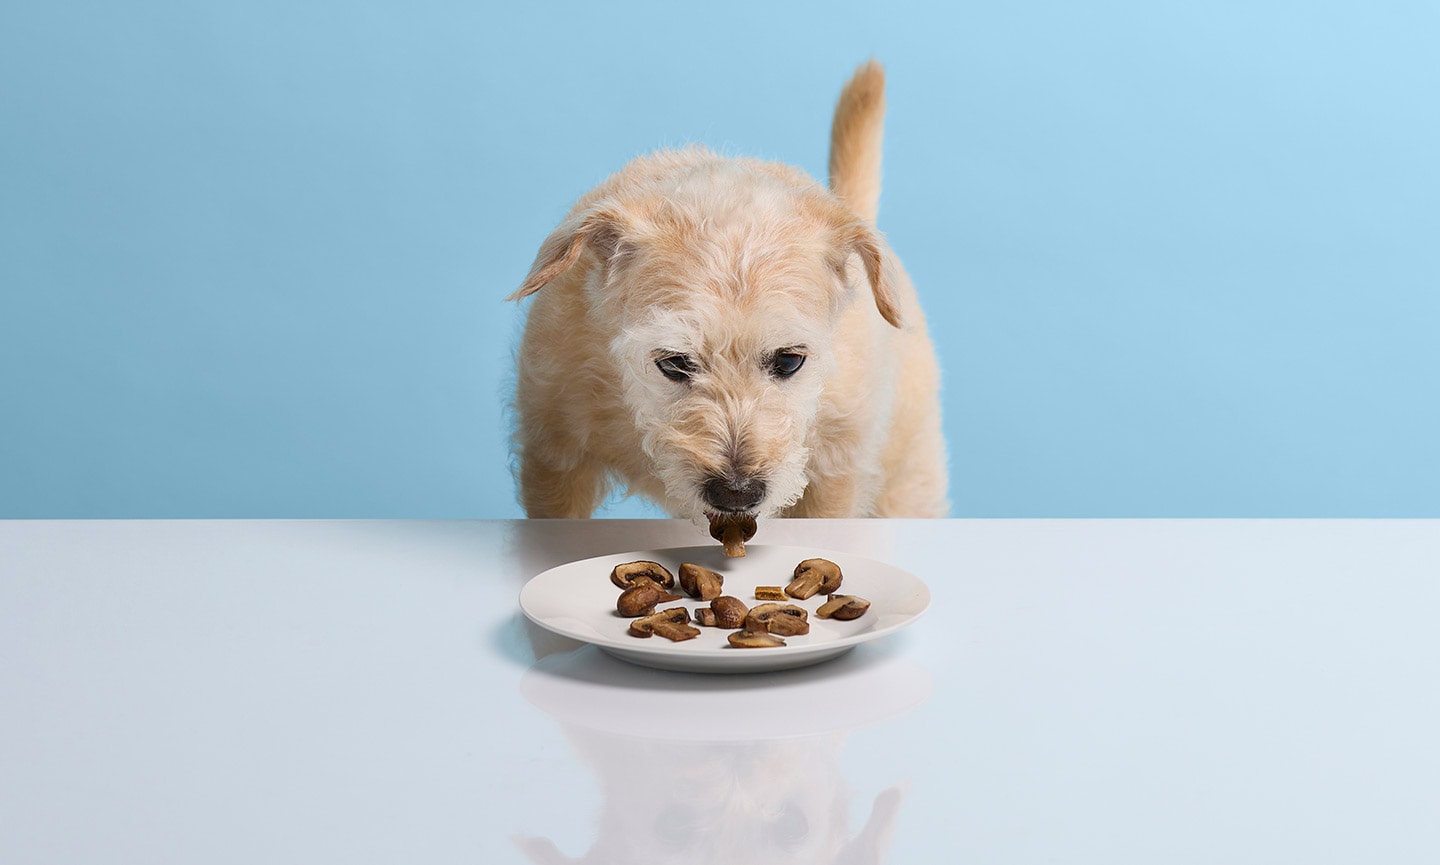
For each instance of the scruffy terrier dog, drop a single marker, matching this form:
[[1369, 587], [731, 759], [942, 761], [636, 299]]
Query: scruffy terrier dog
[[731, 340]]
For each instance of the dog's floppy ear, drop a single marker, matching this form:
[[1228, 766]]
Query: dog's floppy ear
[[861, 240], [599, 229]]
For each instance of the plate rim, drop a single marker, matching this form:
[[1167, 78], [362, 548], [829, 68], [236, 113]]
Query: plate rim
[[800, 655]]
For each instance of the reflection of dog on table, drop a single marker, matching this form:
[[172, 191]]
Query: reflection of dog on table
[[732, 340], [702, 769]]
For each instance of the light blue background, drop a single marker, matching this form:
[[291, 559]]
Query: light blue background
[[1182, 259]]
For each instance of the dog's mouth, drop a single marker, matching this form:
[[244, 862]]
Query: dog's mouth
[[720, 520]]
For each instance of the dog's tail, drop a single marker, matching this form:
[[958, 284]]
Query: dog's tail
[[855, 140]]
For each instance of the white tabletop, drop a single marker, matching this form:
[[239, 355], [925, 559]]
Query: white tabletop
[[1079, 692]]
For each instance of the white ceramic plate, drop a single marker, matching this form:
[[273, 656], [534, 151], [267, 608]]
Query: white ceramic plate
[[577, 600]]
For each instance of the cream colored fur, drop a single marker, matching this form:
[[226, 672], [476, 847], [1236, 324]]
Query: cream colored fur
[[727, 261]]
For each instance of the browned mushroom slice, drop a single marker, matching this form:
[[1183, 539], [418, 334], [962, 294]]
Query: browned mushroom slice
[[676, 633], [729, 611], [672, 624], [640, 599], [732, 530], [628, 574], [769, 593], [705, 617], [754, 640], [843, 607], [700, 582], [814, 576], [787, 620]]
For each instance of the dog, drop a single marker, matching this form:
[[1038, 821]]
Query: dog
[[730, 339]]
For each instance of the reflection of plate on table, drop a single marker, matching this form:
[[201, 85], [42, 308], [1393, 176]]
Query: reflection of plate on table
[[593, 691], [577, 600]]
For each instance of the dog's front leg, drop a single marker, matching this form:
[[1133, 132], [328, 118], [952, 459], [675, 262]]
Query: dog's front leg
[[547, 492], [833, 497]]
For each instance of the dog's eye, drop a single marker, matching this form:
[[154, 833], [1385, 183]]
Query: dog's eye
[[786, 363], [676, 367]]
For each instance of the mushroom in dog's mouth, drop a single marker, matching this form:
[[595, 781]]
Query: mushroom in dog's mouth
[[732, 530]]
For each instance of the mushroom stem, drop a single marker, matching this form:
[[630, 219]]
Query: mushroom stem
[[754, 640]]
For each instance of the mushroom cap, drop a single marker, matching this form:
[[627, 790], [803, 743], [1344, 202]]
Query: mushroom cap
[[628, 574], [729, 611], [744, 522], [814, 576], [641, 598], [701, 582]]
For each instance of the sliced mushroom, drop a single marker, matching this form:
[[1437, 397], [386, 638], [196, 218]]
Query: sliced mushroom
[[730, 612], [672, 624], [843, 607], [754, 640], [676, 633], [732, 530], [723, 612], [641, 598], [812, 577], [787, 620], [701, 582], [626, 575], [769, 593]]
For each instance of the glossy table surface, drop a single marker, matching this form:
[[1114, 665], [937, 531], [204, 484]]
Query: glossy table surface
[[1079, 692]]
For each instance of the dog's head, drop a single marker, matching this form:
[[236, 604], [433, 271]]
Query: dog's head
[[719, 284], [708, 803]]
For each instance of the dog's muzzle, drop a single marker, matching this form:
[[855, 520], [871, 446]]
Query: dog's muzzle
[[735, 495]]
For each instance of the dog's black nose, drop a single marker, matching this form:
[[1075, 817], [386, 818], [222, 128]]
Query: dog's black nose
[[738, 494]]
